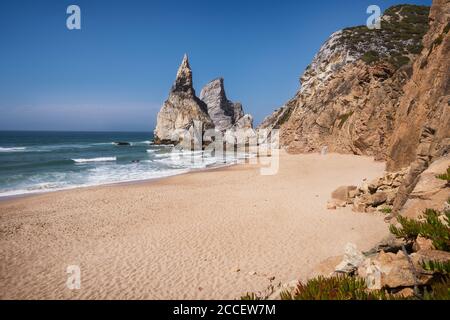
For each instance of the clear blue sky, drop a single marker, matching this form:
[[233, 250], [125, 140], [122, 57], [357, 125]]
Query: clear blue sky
[[115, 73]]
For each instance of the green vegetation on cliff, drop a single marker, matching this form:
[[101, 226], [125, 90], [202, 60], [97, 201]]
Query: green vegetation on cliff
[[401, 33]]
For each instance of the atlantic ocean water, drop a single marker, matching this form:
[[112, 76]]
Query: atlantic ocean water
[[32, 162]]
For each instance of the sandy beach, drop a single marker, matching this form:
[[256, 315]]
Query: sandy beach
[[185, 237]]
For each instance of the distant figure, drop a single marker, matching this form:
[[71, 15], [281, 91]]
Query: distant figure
[[135, 161], [324, 151]]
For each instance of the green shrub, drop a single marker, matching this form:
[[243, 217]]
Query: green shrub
[[405, 23], [370, 57], [445, 176], [335, 288], [447, 28], [409, 230], [343, 118], [415, 49], [399, 61], [437, 266], [438, 40], [439, 291], [432, 228], [252, 297]]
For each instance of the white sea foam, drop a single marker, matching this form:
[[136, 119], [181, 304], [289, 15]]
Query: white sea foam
[[102, 159], [95, 177], [12, 149]]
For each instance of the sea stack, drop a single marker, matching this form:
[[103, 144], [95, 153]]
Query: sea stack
[[228, 116], [181, 109], [224, 113]]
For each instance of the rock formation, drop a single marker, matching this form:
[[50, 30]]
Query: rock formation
[[425, 104], [350, 92], [384, 93], [184, 111], [429, 192], [181, 110], [223, 112], [422, 126], [228, 117]]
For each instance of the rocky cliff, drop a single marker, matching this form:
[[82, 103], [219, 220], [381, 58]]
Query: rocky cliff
[[424, 106], [181, 109], [422, 126], [350, 93]]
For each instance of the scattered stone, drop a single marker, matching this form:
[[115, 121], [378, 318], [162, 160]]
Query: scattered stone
[[376, 199], [252, 273], [352, 259], [359, 206], [342, 193], [390, 197], [287, 287], [429, 255], [372, 187], [422, 243], [405, 293], [271, 278], [389, 270], [446, 206], [331, 206], [353, 193]]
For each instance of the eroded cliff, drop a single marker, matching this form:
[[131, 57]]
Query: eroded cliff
[[350, 93]]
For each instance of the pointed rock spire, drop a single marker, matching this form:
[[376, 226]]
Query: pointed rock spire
[[183, 82], [181, 109]]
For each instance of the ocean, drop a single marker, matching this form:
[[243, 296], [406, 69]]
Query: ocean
[[32, 162]]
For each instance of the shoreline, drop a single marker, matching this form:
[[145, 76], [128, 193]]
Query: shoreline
[[129, 182], [215, 235]]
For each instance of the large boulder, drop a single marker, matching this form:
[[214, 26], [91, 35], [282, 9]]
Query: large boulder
[[343, 193], [390, 271], [351, 261], [429, 191], [182, 111]]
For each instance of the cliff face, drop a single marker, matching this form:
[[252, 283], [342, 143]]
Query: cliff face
[[424, 111], [422, 126], [181, 109], [350, 93]]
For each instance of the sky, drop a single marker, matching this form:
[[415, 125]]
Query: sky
[[115, 73]]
